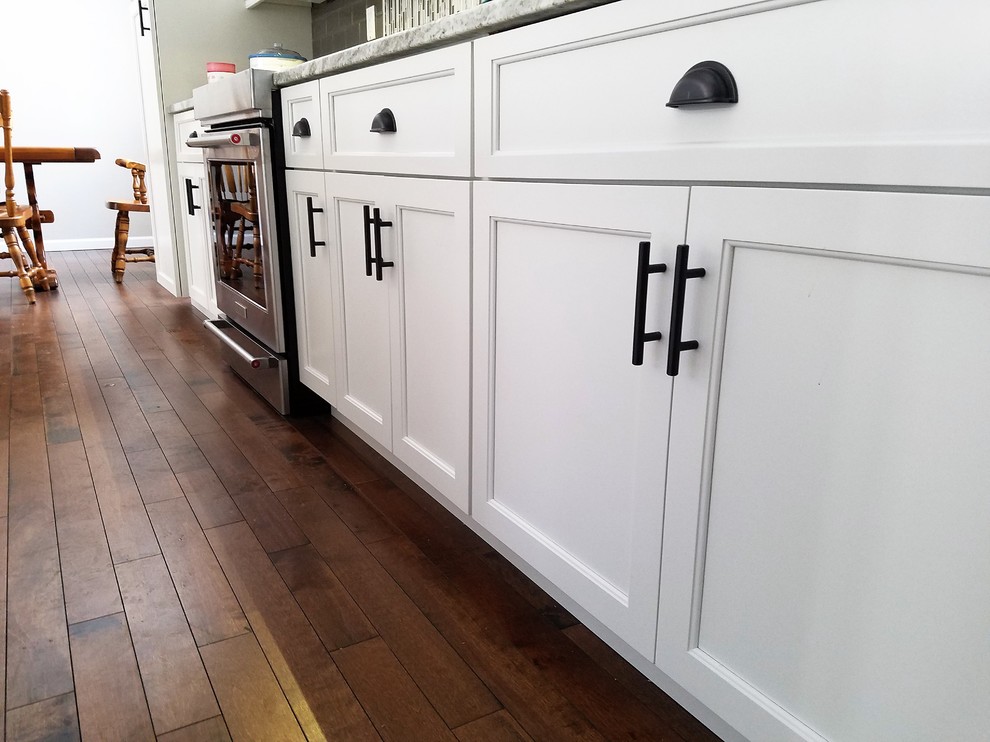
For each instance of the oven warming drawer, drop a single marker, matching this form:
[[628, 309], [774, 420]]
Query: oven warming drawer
[[265, 372]]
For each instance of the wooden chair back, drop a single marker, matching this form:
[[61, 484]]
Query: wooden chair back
[[137, 179], [8, 154]]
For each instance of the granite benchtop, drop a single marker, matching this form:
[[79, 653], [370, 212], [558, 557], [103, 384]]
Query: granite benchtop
[[491, 17]]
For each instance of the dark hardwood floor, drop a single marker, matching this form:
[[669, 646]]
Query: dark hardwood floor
[[181, 562]]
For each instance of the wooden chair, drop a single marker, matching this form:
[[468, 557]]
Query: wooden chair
[[14, 219], [122, 255]]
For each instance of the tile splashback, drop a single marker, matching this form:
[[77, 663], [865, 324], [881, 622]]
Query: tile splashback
[[400, 15]]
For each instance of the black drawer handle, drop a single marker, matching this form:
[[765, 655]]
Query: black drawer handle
[[379, 262], [383, 122], [640, 336], [313, 242], [367, 240], [681, 275], [301, 129], [190, 206]]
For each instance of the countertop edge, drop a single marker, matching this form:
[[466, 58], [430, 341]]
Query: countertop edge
[[468, 24], [180, 106]]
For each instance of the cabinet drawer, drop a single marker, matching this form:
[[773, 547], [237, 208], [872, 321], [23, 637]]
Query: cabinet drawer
[[186, 124], [829, 91], [429, 96], [301, 122]]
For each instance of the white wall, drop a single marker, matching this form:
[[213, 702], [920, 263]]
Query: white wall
[[73, 82]]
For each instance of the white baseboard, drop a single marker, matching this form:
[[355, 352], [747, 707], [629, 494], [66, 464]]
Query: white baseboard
[[95, 243]]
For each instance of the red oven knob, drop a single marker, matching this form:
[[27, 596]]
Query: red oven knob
[[235, 138]]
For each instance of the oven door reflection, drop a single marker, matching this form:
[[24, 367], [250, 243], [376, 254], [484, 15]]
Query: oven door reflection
[[237, 233]]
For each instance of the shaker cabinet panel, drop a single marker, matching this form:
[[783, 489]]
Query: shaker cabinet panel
[[313, 281], [302, 127], [404, 330], [570, 436], [409, 116], [832, 91], [826, 569]]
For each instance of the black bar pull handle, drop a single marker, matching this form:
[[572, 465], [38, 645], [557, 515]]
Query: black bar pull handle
[[640, 336], [190, 206], [379, 262], [367, 239], [141, 11], [681, 275], [313, 242]]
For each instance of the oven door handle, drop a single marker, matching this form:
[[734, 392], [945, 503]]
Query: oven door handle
[[224, 139], [216, 327]]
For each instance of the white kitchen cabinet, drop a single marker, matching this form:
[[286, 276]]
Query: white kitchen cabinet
[[197, 231], [826, 567], [403, 319], [196, 225], [570, 436], [313, 281]]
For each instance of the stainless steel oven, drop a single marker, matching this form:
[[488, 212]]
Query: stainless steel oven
[[247, 260]]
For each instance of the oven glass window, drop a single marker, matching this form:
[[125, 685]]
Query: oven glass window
[[237, 233]]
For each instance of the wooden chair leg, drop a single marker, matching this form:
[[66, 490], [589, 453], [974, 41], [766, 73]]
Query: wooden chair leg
[[117, 259], [15, 255], [40, 277], [256, 267]]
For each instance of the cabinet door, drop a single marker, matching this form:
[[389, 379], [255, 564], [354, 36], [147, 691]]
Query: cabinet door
[[364, 387], [430, 288], [570, 436], [195, 229], [826, 566], [312, 281]]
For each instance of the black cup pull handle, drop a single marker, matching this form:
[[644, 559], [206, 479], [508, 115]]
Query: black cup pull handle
[[379, 262], [640, 336], [190, 206], [367, 240], [313, 242], [681, 275]]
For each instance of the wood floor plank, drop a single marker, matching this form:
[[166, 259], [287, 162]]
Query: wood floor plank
[[51, 720], [335, 617], [211, 730], [175, 681], [132, 428], [395, 704], [153, 475], [252, 702], [38, 664], [253, 444], [208, 497], [184, 401], [181, 451], [109, 694], [234, 470], [638, 685], [491, 642], [211, 608], [351, 467], [497, 727], [269, 520], [451, 686], [88, 580], [128, 530], [3, 622], [323, 703]]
